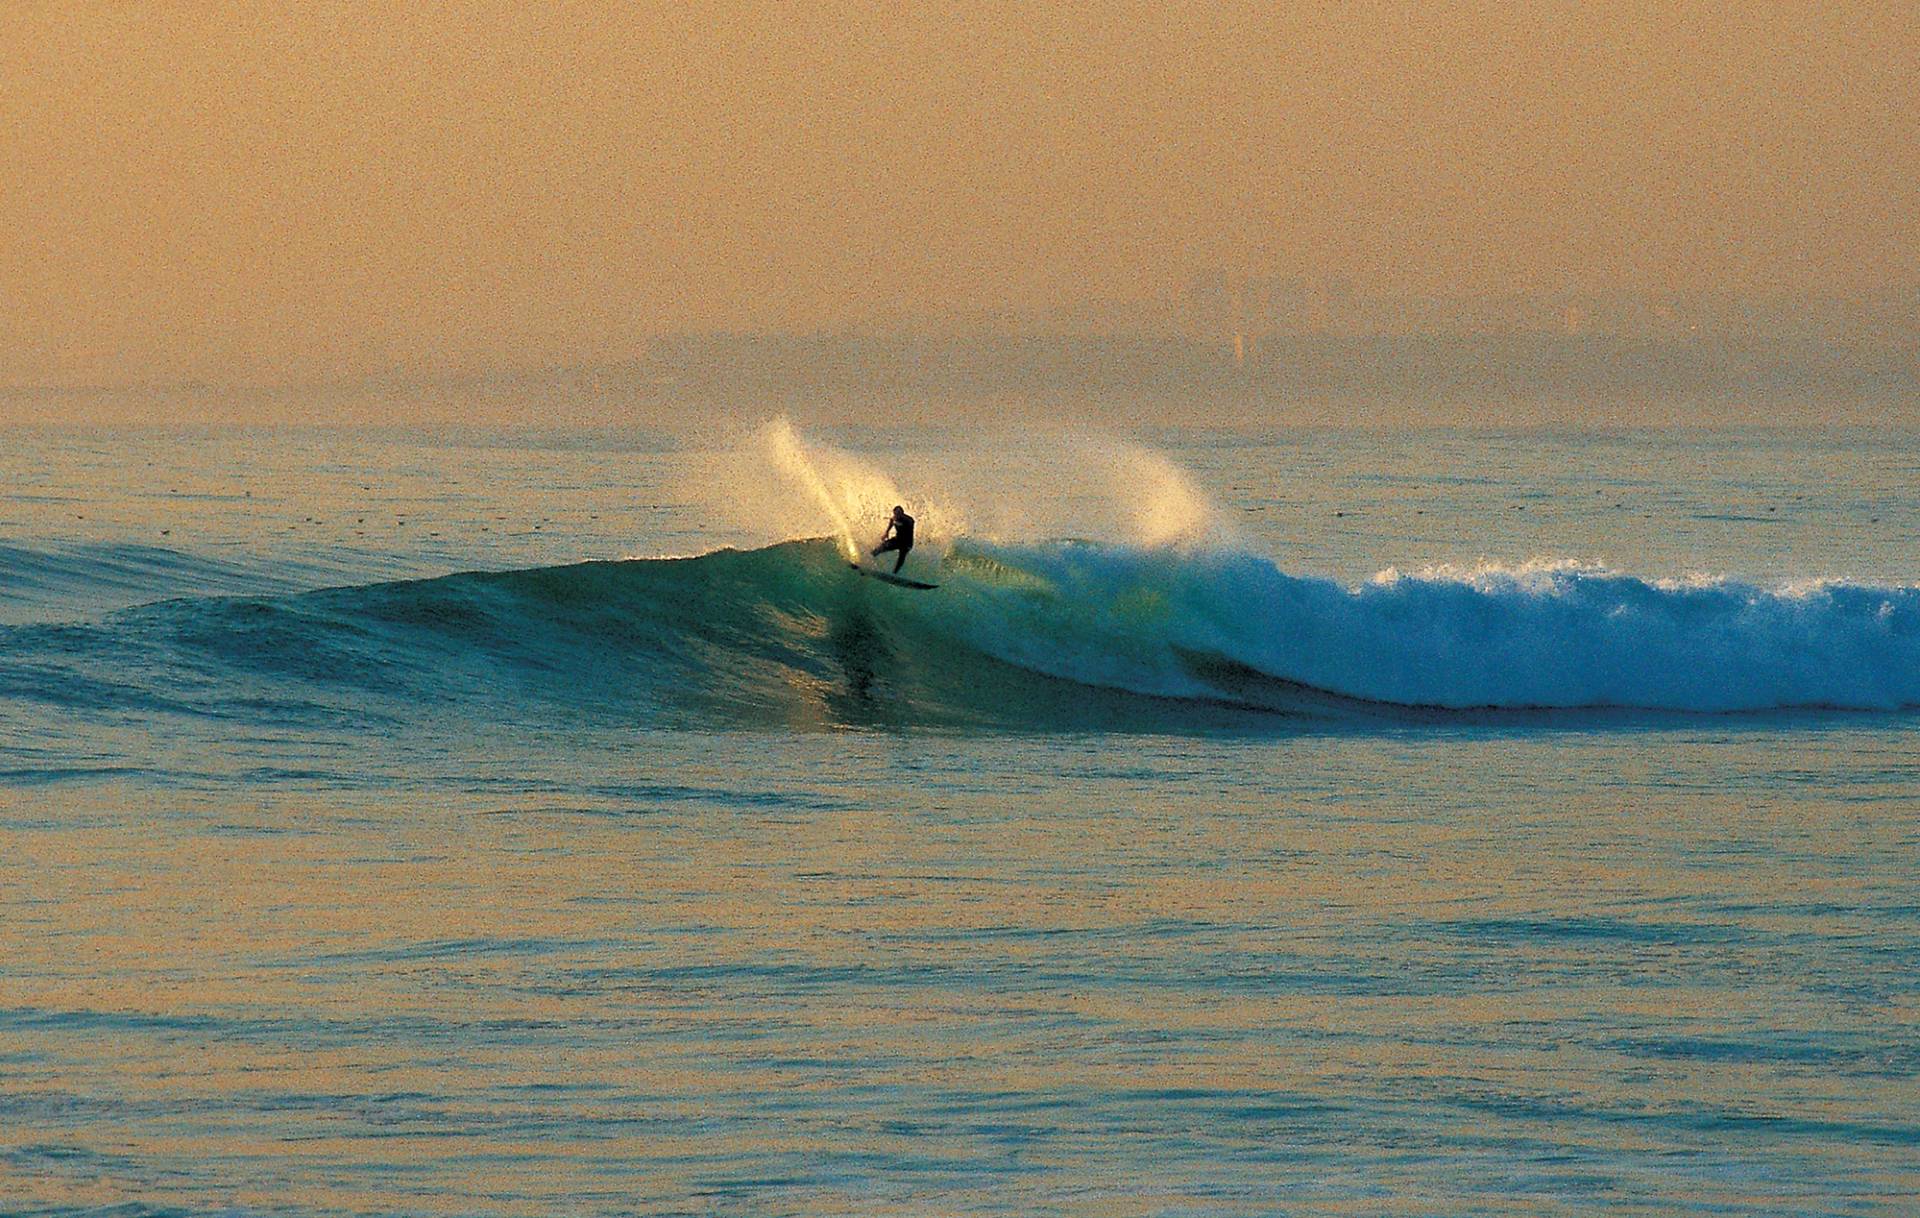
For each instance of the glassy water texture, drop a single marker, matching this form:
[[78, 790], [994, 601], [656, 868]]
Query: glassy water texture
[[487, 937]]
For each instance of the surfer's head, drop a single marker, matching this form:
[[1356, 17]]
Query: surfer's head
[[898, 510]]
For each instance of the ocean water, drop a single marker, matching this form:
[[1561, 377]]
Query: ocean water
[[1325, 821]]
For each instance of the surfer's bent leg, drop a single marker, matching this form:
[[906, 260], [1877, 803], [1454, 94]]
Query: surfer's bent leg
[[893, 543]]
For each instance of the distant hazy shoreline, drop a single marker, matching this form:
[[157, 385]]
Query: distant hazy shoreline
[[1131, 378]]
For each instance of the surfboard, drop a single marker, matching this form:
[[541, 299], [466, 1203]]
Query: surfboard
[[898, 581]]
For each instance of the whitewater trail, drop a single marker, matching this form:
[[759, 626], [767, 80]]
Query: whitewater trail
[[1549, 635], [1172, 606]]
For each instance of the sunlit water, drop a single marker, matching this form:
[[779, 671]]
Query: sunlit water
[[745, 886]]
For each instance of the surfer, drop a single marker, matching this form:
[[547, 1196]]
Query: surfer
[[898, 537]]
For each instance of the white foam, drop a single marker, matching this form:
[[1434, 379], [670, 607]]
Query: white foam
[[1545, 634], [1165, 584]]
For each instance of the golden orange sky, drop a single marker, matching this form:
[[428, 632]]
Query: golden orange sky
[[254, 193]]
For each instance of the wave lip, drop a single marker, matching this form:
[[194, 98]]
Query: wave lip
[[1558, 635]]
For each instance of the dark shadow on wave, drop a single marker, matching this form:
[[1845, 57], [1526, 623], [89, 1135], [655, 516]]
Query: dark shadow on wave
[[1243, 685]]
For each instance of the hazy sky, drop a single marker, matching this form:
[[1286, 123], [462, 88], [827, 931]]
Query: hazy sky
[[287, 191]]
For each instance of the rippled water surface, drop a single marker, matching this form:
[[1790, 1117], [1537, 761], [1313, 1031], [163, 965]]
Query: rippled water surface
[[744, 886]]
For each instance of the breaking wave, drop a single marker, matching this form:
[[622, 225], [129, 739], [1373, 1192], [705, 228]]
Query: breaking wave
[[1058, 635]]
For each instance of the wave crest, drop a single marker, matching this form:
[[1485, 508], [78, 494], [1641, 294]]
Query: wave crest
[[1055, 635]]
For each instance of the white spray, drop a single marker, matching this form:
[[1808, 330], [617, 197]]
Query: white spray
[[1026, 485], [843, 491]]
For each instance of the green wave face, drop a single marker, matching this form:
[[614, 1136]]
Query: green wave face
[[783, 636]]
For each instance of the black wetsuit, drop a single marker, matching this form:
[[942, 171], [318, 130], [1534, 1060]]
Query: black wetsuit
[[901, 540]]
